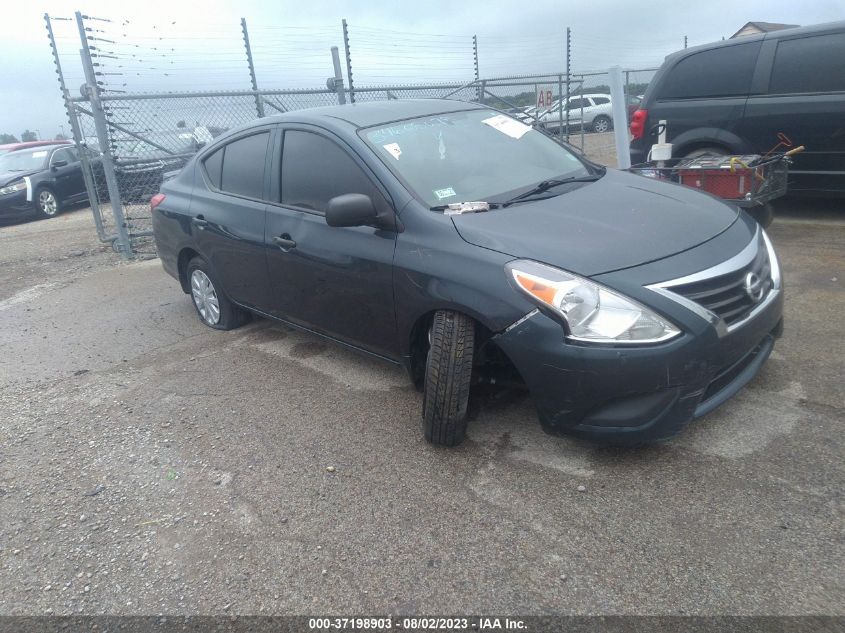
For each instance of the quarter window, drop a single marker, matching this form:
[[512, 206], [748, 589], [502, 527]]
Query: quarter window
[[213, 166], [315, 170], [809, 64], [720, 72]]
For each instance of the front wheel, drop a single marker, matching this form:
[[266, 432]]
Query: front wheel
[[448, 374], [47, 203], [213, 307]]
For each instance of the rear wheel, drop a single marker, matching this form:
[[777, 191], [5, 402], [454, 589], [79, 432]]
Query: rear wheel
[[213, 307], [448, 373], [602, 124], [47, 203], [706, 151]]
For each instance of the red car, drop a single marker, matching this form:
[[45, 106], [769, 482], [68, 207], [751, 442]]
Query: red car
[[11, 147]]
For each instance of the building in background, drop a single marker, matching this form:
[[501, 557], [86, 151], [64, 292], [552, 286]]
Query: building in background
[[753, 28]]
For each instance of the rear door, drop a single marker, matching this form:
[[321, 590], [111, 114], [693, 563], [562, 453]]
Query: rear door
[[335, 280], [803, 96], [227, 214]]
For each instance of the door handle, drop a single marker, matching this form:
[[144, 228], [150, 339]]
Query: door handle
[[199, 222], [284, 242]]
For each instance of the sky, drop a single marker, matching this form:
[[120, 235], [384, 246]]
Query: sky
[[158, 45]]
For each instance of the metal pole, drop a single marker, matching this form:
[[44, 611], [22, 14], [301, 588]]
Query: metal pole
[[560, 104], [78, 138], [338, 77], [620, 130], [475, 65], [568, 70], [259, 100], [348, 61], [124, 246]]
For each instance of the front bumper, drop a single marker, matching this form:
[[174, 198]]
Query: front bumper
[[636, 394], [15, 205]]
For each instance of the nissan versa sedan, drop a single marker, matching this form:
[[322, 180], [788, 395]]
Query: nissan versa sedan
[[469, 248]]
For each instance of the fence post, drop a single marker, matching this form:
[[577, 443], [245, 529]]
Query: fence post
[[124, 246], [348, 61], [560, 109], [338, 77], [620, 118], [568, 70], [475, 64], [78, 138], [259, 100]]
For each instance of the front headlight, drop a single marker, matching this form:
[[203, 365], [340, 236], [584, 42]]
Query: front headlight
[[15, 186], [591, 312]]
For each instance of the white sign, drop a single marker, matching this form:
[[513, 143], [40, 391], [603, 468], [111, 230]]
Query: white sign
[[507, 125], [545, 97]]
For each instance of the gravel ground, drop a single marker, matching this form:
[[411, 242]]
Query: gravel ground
[[152, 465]]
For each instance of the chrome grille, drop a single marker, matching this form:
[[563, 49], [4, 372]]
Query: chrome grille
[[734, 295]]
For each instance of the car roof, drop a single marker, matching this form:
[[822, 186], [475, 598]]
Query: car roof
[[41, 146], [11, 147], [371, 113]]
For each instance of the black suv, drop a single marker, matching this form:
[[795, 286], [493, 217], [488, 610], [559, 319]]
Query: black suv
[[735, 96]]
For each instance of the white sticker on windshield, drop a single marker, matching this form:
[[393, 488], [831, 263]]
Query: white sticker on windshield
[[394, 150], [39, 154], [448, 192], [507, 125]]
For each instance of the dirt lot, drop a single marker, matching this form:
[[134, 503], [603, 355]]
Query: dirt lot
[[152, 465]]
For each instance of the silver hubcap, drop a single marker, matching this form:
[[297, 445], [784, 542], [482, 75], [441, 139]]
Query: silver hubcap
[[205, 297], [601, 125], [48, 203]]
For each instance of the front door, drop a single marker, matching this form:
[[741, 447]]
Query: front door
[[334, 280], [67, 174]]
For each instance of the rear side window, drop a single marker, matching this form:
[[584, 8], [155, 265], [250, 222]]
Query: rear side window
[[244, 161], [720, 72], [213, 166], [600, 100], [315, 170], [809, 64]]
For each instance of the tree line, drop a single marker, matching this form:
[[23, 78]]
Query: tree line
[[26, 136]]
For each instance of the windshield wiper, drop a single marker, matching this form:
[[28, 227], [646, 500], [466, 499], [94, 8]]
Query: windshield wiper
[[545, 185]]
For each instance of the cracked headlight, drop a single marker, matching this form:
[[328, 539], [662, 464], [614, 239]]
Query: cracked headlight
[[15, 186], [592, 312]]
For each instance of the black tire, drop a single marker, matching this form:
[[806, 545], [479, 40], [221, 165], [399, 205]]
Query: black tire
[[448, 373], [227, 316], [764, 214], [47, 203], [600, 121], [706, 151]]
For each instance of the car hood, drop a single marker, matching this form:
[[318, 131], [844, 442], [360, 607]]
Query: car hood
[[619, 221], [8, 177]]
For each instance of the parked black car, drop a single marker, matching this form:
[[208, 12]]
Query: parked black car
[[735, 96], [627, 306], [40, 181]]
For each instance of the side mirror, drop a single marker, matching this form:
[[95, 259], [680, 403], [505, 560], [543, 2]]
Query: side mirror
[[59, 163], [351, 209]]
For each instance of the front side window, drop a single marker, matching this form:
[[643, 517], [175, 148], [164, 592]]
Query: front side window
[[809, 64], [474, 155], [577, 104], [315, 170], [720, 72], [64, 154]]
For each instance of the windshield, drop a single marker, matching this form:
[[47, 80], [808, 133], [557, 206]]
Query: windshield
[[24, 160], [477, 155]]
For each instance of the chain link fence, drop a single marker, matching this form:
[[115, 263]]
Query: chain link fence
[[129, 140]]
